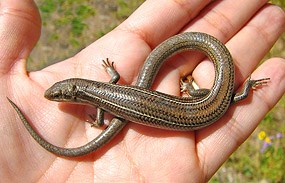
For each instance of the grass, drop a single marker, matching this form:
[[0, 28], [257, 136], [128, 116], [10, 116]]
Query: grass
[[70, 15], [70, 25]]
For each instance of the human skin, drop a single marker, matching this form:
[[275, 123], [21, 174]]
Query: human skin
[[138, 153]]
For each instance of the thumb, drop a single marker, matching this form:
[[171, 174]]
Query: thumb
[[20, 26]]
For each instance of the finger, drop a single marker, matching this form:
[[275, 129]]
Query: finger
[[20, 29], [254, 41], [221, 20], [154, 21], [248, 46]]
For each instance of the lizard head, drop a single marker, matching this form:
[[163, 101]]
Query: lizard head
[[63, 91]]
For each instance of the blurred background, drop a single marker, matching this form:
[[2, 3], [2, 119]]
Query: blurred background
[[71, 25]]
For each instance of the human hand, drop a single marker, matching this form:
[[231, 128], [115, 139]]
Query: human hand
[[139, 152]]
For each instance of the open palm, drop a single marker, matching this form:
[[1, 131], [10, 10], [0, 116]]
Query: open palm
[[138, 153]]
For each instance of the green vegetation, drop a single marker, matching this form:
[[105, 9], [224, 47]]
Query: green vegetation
[[125, 8], [71, 25], [70, 14]]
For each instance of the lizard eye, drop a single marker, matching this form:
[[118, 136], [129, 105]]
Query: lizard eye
[[57, 94]]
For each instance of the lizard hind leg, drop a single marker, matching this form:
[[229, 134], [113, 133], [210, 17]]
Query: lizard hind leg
[[188, 88], [250, 83], [97, 120]]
